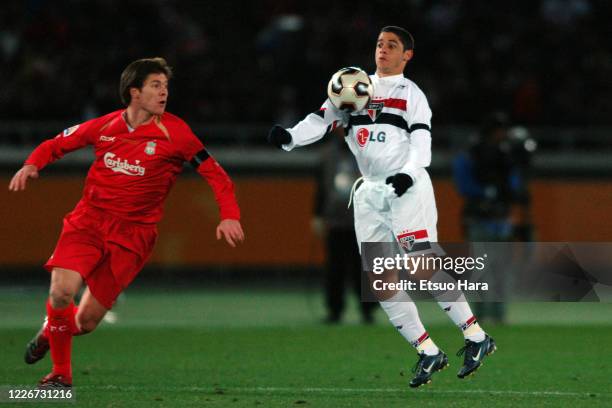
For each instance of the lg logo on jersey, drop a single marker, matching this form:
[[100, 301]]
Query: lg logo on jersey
[[364, 135]]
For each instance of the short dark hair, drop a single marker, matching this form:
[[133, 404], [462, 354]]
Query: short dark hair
[[404, 35], [134, 75]]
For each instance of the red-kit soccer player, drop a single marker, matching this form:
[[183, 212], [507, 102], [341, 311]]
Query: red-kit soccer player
[[108, 237]]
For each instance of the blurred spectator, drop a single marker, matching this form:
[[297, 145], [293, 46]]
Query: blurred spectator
[[547, 62], [492, 176], [334, 223]]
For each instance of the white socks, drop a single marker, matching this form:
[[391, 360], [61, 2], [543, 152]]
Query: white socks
[[461, 314], [404, 316]]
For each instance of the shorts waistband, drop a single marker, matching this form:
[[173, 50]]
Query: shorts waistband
[[378, 179], [100, 213]]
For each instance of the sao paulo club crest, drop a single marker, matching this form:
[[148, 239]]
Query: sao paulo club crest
[[374, 109], [407, 242]]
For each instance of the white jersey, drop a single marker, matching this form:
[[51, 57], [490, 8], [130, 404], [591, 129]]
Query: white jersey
[[392, 135]]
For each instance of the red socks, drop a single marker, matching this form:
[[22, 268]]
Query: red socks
[[61, 326], [75, 332]]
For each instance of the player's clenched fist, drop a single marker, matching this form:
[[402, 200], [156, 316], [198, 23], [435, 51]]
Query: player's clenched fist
[[231, 230], [278, 136], [400, 182], [18, 182]]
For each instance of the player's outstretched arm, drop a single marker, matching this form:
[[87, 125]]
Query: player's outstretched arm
[[231, 230], [47, 152], [312, 128], [223, 188], [278, 136], [19, 180]]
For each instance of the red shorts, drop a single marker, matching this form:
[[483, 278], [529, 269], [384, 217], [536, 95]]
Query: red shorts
[[108, 252]]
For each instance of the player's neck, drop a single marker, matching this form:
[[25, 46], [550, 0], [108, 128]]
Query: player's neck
[[381, 74], [135, 117]]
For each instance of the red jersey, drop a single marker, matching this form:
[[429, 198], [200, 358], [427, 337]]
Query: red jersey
[[134, 170]]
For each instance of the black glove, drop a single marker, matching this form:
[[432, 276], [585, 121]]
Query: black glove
[[401, 182], [278, 136]]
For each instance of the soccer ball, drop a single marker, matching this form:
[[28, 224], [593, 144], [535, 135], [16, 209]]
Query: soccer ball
[[350, 89]]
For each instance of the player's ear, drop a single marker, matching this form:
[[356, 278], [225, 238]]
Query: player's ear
[[134, 92], [408, 55]]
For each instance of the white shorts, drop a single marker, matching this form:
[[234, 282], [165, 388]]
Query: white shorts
[[410, 220]]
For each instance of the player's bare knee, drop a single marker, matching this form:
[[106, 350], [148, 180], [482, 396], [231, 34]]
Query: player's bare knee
[[378, 284], [87, 325], [64, 286], [87, 320], [384, 296], [60, 296]]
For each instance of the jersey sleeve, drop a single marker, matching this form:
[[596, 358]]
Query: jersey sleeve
[[316, 125], [71, 139], [190, 143], [193, 151], [419, 126]]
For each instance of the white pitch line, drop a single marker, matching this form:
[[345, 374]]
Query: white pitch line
[[323, 390], [397, 390]]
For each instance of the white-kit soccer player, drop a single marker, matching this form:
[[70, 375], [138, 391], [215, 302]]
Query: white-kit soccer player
[[391, 142]]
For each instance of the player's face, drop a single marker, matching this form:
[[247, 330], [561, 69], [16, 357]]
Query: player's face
[[153, 95], [390, 55]]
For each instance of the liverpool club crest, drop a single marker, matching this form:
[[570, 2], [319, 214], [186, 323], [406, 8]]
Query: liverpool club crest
[[150, 149]]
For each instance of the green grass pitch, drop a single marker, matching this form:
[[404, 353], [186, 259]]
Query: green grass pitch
[[266, 348]]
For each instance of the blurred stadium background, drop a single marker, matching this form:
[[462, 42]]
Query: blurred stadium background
[[241, 67]]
